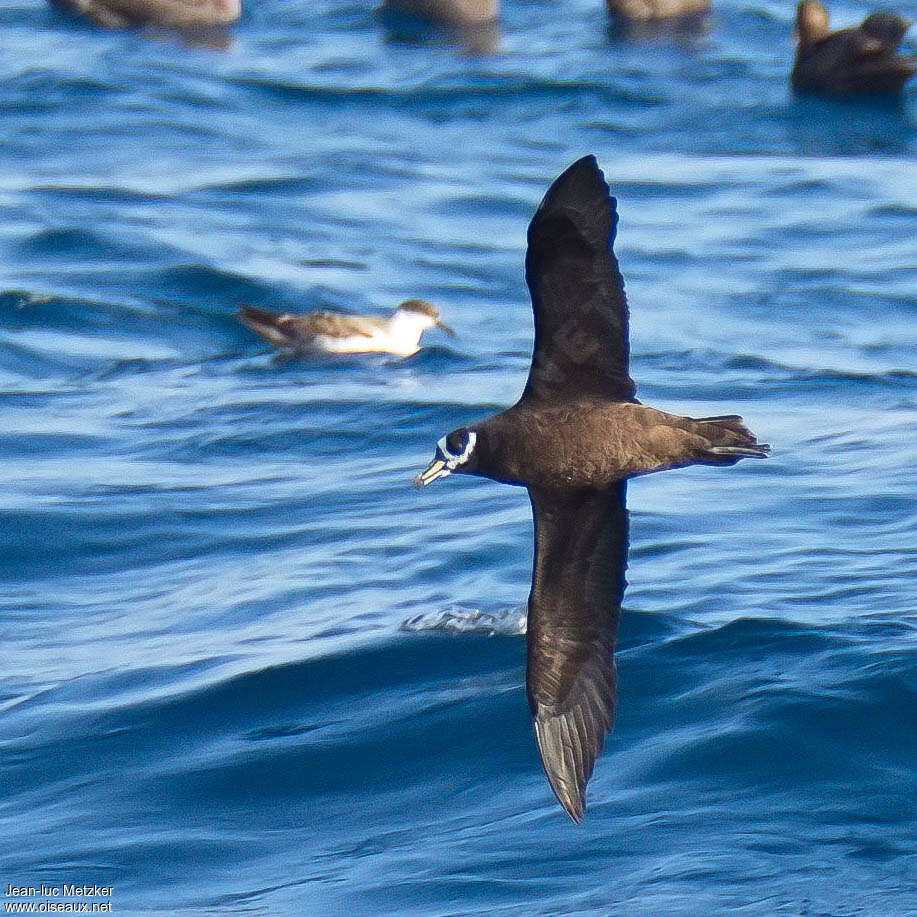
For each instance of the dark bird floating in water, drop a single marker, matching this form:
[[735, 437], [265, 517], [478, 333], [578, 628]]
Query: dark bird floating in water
[[179, 14], [858, 61], [573, 438], [448, 12], [657, 10], [337, 332]]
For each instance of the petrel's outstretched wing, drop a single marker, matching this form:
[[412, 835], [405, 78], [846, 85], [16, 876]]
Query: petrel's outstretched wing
[[581, 329], [577, 586]]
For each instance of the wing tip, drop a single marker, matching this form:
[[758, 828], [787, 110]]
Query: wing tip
[[569, 790], [588, 161], [588, 165], [253, 314], [591, 164], [574, 807], [572, 800], [582, 180], [266, 324]]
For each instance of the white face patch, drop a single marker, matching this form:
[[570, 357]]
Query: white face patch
[[451, 459]]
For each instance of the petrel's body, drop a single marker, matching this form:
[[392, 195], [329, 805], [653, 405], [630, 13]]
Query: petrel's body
[[338, 332], [574, 437], [856, 61]]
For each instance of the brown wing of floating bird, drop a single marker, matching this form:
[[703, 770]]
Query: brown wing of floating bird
[[298, 332], [656, 10], [188, 14]]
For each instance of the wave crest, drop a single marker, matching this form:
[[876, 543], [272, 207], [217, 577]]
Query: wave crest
[[457, 619]]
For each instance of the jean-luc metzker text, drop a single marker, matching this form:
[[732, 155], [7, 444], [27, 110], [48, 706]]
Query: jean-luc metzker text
[[90, 899], [59, 891]]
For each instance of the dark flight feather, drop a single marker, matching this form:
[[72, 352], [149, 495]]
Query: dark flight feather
[[581, 328], [577, 586]]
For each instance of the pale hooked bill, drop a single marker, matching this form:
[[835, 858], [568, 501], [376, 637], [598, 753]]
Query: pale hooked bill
[[338, 332]]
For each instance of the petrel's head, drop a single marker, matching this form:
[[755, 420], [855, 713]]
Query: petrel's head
[[421, 313], [454, 452]]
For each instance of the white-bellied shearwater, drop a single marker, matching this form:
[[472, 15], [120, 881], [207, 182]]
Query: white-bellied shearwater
[[573, 438], [858, 61], [337, 332]]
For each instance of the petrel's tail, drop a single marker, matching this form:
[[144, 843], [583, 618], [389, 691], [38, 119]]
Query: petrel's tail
[[730, 440], [270, 325]]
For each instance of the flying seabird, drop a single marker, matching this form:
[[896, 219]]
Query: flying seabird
[[573, 439], [337, 332], [179, 14], [856, 61]]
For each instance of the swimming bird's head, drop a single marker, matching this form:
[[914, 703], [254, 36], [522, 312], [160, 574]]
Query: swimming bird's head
[[454, 452], [422, 315], [888, 28]]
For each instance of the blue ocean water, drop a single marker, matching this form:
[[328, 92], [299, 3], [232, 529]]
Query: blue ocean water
[[247, 669]]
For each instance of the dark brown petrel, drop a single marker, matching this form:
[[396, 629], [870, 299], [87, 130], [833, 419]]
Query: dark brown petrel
[[573, 438], [858, 61]]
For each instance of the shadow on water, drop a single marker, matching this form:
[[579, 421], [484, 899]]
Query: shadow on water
[[849, 127], [403, 29], [679, 30]]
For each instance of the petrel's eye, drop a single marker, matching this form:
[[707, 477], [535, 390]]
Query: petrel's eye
[[456, 441]]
